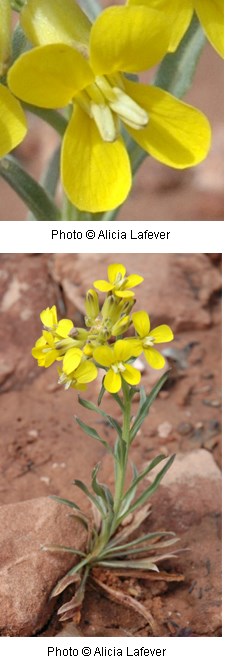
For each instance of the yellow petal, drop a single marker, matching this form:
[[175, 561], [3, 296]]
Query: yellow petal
[[177, 134], [96, 175], [133, 280], [131, 375], [64, 327], [125, 349], [211, 15], [102, 285], [113, 270], [178, 15], [72, 360], [112, 382], [13, 126], [141, 323], [49, 76], [104, 355], [86, 372], [154, 358], [130, 39], [54, 21], [162, 334], [48, 317], [124, 294], [5, 34]]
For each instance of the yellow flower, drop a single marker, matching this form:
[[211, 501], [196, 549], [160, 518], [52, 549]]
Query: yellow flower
[[84, 373], [114, 358], [147, 338], [210, 14], [117, 282], [56, 343], [13, 126], [95, 166]]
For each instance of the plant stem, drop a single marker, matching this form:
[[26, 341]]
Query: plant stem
[[120, 470]]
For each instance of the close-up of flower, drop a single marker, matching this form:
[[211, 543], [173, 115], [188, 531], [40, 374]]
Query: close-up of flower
[[148, 338], [118, 283], [83, 374], [115, 359], [91, 73], [210, 14]]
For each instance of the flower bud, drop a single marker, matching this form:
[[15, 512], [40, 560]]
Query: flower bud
[[121, 326], [91, 305], [5, 35]]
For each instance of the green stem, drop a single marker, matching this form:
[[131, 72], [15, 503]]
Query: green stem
[[121, 466], [50, 116]]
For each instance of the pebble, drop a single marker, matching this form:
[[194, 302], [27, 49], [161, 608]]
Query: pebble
[[164, 429], [185, 428], [32, 435]]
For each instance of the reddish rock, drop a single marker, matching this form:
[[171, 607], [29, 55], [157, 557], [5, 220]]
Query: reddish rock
[[28, 574]]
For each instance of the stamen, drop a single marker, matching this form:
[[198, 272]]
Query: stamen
[[104, 121], [128, 110]]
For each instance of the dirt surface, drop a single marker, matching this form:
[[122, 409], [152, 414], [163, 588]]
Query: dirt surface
[[42, 449]]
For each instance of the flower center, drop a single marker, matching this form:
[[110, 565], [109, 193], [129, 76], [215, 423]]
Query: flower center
[[148, 341], [105, 101], [118, 368]]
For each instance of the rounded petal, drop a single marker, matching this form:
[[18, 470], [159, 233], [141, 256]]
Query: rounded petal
[[96, 175], [54, 21], [162, 334], [128, 39], [124, 294], [72, 360], [112, 382], [125, 349], [141, 323], [102, 285], [104, 355], [13, 126], [86, 372], [133, 280], [113, 270], [48, 317], [131, 375], [64, 327], [177, 134], [49, 76], [154, 358], [211, 16], [178, 14]]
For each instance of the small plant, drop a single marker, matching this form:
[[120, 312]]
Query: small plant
[[81, 353]]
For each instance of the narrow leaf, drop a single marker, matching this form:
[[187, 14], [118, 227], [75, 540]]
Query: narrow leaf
[[90, 495], [175, 74], [93, 434], [33, 195], [145, 406], [141, 476], [91, 406], [152, 488]]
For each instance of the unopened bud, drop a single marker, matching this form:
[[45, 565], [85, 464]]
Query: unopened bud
[[121, 326], [91, 305]]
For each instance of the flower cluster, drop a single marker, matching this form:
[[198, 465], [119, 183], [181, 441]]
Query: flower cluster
[[81, 351]]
